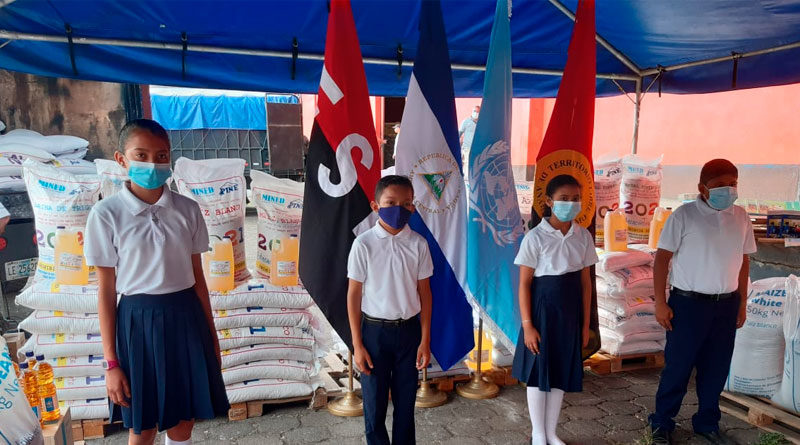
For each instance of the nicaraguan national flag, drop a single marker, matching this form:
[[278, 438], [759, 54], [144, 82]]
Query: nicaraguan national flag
[[494, 226], [430, 155]]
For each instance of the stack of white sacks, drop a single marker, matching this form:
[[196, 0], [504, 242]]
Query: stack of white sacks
[[626, 303], [64, 324], [62, 151], [267, 341]]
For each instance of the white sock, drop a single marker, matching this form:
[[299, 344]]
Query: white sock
[[168, 441], [537, 402], [554, 399]]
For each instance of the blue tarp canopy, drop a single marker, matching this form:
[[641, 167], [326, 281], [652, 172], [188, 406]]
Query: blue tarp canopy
[[192, 109], [248, 45]]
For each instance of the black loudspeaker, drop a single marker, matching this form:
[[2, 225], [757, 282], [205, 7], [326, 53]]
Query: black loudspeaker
[[285, 134]]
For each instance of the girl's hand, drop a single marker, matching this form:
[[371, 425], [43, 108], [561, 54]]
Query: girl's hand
[[118, 389], [587, 333], [532, 338]]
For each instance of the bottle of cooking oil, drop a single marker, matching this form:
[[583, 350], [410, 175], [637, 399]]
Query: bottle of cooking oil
[[285, 256], [486, 353], [16, 370], [31, 360], [47, 390], [218, 266], [615, 231], [657, 225], [31, 389], [70, 263]]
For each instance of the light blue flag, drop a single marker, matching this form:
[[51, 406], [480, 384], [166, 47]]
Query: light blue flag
[[494, 228]]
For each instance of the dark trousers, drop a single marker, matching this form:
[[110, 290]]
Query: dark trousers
[[702, 337], [393, 350]]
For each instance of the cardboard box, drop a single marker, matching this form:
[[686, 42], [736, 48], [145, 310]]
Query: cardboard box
[[783, 224], [59, 433], [15, 341]]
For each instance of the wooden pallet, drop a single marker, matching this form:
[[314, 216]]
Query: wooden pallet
[[93, 429], [602, 363], [763, 414], [498, 376]]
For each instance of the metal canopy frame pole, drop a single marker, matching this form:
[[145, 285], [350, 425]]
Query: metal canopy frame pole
[[637, 106]]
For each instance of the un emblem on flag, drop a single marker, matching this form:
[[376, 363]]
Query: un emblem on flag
[[493, 195], [438, 183]]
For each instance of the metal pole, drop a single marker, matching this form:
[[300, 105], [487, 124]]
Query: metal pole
[[637, 106], [12, 35], [480, 345]]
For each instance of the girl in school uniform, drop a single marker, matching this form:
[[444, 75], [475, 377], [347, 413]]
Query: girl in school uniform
[[554, 298], [160, 346]]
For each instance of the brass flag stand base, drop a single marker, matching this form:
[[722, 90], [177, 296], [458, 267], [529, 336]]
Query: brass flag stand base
[[427, 395], [478, 388], [350, 405]]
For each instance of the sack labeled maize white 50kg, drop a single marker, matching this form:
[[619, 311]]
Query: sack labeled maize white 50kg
[[280, 210], [58, 198], [18, 424], [219, 188], [788, 394], [607, 178], [640, 194], [757, 363]]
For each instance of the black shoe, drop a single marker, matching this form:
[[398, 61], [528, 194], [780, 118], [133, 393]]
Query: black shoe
[[662, 437], [717, 438]]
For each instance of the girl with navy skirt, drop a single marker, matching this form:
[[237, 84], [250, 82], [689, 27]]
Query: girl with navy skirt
[[161, 352], [554, 298]]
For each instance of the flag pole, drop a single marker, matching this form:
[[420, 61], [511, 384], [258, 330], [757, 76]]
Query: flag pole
[[478, 388], [427, 395], [350, 405]]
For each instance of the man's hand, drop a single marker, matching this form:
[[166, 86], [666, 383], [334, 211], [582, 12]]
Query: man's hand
[[664, 315], [362, 359], [118, 389], [423, 355]]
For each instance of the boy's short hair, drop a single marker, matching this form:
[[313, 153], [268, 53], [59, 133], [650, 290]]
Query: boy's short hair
[[141, 125], [389, 180], [716, 168]]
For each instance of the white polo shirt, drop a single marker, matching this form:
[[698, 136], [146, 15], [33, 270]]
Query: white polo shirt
[[708, 246], [550, 252], [150, 245], [390, 266]]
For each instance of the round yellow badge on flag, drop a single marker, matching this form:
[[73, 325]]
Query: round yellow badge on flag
[[565, 162]]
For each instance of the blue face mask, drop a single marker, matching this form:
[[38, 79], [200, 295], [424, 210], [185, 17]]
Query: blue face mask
[[566, 211], [148, 175], [396, 216], [722, 198]]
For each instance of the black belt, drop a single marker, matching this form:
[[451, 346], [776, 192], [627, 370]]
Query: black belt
[[382, 321], [701, 296]]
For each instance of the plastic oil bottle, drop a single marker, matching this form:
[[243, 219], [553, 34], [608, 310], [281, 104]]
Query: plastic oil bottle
[[30, 360], [31, 389], [657, 225], [47, 390], [285, 256], [17, 371], [218, 266], [615, 231], [70, 264], [486, 353]]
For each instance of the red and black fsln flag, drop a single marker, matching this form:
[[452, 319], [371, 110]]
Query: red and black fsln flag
[[342, 169]]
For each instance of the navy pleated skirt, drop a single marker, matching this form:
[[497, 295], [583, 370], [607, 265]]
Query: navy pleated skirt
[[557, 313], [165, 348]]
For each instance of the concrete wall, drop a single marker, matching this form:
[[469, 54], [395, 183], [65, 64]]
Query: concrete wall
[[91, 110]]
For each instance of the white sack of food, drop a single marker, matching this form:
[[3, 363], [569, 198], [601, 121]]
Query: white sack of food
[[280, 209], [219, 187], [81, 388], [640, 194], [788, 394], [23, 152], [259, 352], [112, 176], [76, 166], [607, 179], [63, 345], [58, 198], [18, 423], [261, 293], [47, 296], [268, 369], [53, 322], [73, 155], [287, 335], [627, 305], [267, 389], [623, 348], [77, 365], [12, 183], [639, 322], [613, 291], [614, 261], [11, 166], [260, 316], [89, 409], [632, 336], [629, 278]]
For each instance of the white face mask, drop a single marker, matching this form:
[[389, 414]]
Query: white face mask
[[474, 115]]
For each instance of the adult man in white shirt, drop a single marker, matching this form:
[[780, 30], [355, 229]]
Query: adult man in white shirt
[[708, 242], [466, 132]]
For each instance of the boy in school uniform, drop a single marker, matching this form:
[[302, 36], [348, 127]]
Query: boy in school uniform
[[708, 242], [389, 307]]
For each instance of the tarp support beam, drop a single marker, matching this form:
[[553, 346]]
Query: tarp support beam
[[637, 106]]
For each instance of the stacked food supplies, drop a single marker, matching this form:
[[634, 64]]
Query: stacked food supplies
[[626, 303], [61, 151], [64, 324]]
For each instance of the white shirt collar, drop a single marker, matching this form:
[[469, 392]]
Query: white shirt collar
[[545, 223], [382, 233], [707, 210], [136, 206]]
